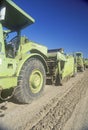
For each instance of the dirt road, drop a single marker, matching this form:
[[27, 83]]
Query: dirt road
[[53, 111], [79, 118]]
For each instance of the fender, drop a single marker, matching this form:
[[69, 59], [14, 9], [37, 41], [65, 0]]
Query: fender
[[21, 63]]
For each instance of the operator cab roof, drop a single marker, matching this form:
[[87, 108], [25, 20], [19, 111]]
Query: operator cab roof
[[15, 17]]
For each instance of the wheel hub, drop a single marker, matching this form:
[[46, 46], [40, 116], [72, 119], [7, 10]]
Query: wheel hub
[[36, 81]]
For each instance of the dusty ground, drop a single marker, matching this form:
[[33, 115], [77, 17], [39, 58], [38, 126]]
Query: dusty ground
[[60, 108], [79, 118]]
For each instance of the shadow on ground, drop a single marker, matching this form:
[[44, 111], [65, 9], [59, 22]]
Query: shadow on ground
[[85, 128]]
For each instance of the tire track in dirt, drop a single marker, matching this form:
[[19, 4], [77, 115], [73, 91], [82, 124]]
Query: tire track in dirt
[[57, 116], [51, 111]]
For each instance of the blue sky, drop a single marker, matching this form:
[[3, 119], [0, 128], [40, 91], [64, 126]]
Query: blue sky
[[58, 23]]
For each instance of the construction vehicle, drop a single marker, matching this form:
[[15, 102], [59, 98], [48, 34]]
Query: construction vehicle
[[80, 61], [61, 66], [86, 62], [22, 62], [24, 65]]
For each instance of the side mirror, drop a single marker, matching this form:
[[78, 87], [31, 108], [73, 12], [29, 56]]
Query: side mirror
[[2, 13]]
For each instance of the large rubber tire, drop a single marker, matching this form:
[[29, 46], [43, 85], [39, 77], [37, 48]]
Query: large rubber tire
[[82, 69], [58, 80], [31, 81]]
